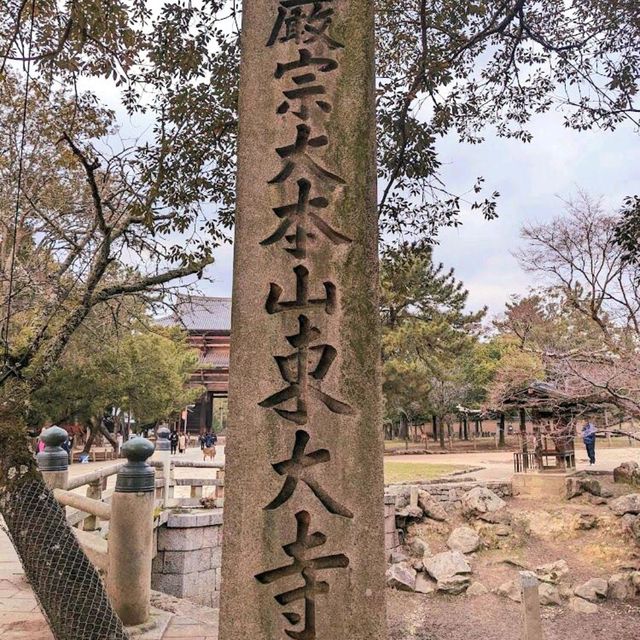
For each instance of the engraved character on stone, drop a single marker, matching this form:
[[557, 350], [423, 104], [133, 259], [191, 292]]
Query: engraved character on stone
[[297, 370], [307, 568], [304, 21], [303, 215], [296, 470], [297, 154]]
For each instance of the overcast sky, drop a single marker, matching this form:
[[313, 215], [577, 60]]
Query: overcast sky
[[533, 180]]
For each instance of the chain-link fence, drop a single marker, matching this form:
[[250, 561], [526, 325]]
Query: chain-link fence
[[66, 584]]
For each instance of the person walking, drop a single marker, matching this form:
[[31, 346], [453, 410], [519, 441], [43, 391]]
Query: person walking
[[173, 439], [589, 438], [182, 443]]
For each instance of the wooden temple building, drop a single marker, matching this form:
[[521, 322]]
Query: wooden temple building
[[207, 321]]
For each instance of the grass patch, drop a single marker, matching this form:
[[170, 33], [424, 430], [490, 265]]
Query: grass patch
[[413, 471]]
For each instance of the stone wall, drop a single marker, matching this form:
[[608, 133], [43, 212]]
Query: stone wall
[[449, 493], [188, 561], [391, 540]]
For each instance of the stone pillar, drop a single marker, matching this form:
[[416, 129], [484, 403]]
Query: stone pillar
[[531, 620], [53, 462], [131, 534], [304, 482], [163, 454], [94, 491]]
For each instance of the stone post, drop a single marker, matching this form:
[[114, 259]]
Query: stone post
[[94, 491], [304, 482], [53, 462], [131, 534], [531, 620], [163, 454]]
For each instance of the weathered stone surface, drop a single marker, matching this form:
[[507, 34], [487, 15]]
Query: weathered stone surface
[[447, 564], [502, 530], [453, 584], [305, 353], [419, 548], [582, 606], [576, 486], [464, 539], [402, 577], [621, 586], [409, 513], [418, 565], [553, 572], [180, 539], [186, 561], [424, 585], [481, 500], [585, 521], [592, 590], [549, 595], [627, 472], [510, 589], [626, 504], [502, 517], [431, 507], [477, 589], [397, 556]]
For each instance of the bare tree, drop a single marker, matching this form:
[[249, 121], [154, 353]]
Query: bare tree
[[585, 322]]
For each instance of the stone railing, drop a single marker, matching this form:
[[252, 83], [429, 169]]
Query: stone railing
[[127, 556]]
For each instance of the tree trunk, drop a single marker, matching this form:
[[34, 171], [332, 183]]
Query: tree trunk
[[110, 438], [93, 432], [434, 424], [501, 431], [465, 427], [441, 432]]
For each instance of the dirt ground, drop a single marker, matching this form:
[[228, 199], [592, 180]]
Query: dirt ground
[[543, 532]]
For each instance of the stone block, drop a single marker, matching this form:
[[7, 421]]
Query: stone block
[[211, 536], [180, 539], [183, 520], [157, 565], [215, 557], [171, 584], [182, 562]]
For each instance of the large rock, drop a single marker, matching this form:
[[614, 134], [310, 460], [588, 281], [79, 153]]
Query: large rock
[[576, 486], [431, 507], [453, 584], [477, 589], [502, 517], [409, 513], [510, 589], [627, 472], [626, 504], [593, 590], [481, 500], [549, 594], [447, 564], [585, 521], [424, 585], [582, 606], [464, 539], [401, 577], [553, 572], [621, 586], [419, 548], [396, 557]]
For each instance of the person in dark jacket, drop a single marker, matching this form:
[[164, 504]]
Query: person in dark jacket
[[589, 439], [173, 439]]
